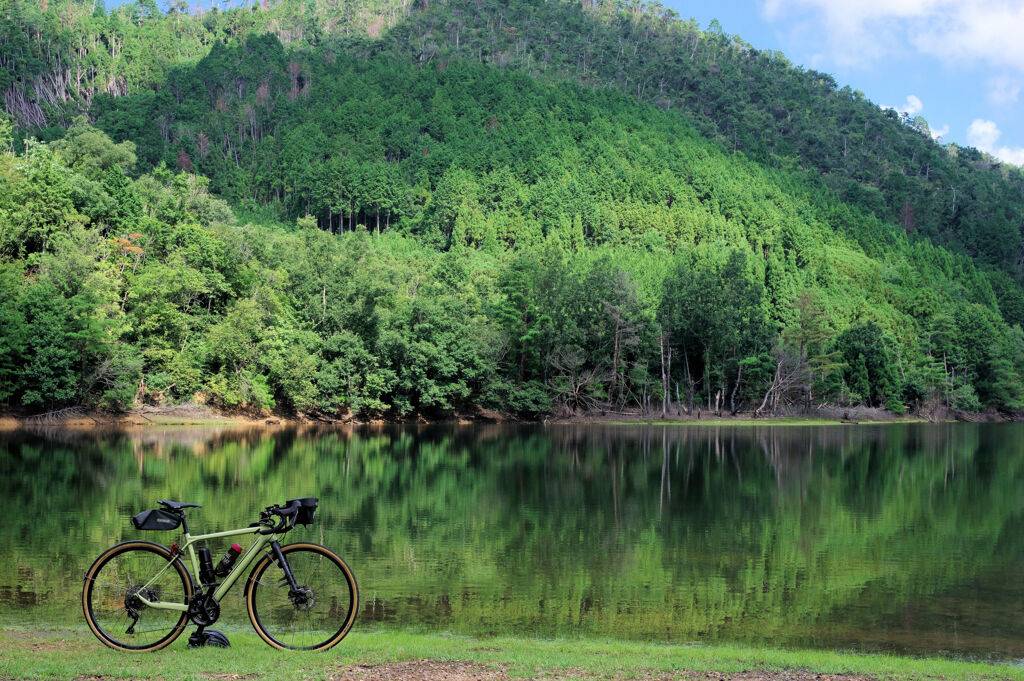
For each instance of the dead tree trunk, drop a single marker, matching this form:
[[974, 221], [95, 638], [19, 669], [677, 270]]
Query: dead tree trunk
[[661, 351], [735, 387], [615, 354]]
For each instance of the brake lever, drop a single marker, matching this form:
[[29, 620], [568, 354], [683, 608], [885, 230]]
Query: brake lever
[[286, 524], [270, 526]]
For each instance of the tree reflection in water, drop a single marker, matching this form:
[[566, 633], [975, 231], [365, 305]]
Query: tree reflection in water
[[895, 537]]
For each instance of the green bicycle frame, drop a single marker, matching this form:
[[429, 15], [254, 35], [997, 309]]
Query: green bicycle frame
[[241, 563]]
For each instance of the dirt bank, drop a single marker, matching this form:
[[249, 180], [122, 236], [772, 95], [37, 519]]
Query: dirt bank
[[179, 415], [205, 415]]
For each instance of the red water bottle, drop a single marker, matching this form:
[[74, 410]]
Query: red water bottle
[[224, 566]]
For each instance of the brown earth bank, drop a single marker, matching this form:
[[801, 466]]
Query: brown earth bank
[[191, 414], [852, 415]]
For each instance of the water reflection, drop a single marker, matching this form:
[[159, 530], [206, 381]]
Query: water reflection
[[897, 538]]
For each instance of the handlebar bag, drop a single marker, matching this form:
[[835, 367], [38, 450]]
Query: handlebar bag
[[307, 510]]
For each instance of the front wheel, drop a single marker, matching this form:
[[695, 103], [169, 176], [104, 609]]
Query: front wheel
[[113, 585], [316, 616]]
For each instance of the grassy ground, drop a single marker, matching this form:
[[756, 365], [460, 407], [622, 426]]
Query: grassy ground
[[63, 654]]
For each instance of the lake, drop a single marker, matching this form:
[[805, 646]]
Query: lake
[[903, 538]]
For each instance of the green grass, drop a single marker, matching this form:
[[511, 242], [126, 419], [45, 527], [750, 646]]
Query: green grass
[[67, 654]]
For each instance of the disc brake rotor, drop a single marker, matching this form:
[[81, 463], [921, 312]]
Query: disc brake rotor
[[303, 598]]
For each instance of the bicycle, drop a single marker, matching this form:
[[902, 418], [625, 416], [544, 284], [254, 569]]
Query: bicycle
[[139, 595]]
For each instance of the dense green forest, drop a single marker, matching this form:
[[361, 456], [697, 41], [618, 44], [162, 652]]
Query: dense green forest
[[389, 209]]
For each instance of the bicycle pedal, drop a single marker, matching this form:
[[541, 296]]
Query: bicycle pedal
[[210, 637]]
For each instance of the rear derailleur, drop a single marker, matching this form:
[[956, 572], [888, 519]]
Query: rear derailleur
[[133, 604]]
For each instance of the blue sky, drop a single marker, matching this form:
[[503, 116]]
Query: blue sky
[[958, 63]]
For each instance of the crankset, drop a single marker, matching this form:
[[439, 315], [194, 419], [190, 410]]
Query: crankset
[[204, 610]]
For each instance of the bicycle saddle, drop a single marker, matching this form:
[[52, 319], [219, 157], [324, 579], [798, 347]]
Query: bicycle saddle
[[177, 505]]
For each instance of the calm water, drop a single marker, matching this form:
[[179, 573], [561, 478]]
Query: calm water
[[901, 538]]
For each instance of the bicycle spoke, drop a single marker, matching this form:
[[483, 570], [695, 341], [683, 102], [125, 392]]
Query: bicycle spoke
[[115, 588], [313, 617], [109, 584]]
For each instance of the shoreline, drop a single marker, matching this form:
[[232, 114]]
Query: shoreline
[[191, 415]]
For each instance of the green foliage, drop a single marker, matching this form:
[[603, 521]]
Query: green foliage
[[91, 152], [470, 235], [714, 314], [248, 93], [872, 373]]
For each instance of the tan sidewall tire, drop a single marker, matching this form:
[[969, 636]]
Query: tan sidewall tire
[[250, 589], [99, 562]]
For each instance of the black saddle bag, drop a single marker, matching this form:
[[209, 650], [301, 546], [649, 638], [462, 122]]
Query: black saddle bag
[[156, 519]]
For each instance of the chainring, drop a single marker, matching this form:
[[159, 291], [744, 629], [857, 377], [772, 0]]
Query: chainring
[[203, 610]]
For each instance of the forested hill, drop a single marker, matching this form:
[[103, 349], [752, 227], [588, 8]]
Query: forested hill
[[57, 60], [523, 206]]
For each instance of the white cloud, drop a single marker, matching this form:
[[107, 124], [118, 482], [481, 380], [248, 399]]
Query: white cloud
[[984, 135], [858, 32], [911, 107], [975, 30], [863, 31], [1003, 90]]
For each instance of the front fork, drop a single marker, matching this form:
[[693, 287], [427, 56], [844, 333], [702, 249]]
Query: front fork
[[298, 595]]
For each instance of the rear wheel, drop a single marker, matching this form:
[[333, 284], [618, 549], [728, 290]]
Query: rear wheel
[[114, 585], [317, 615]]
